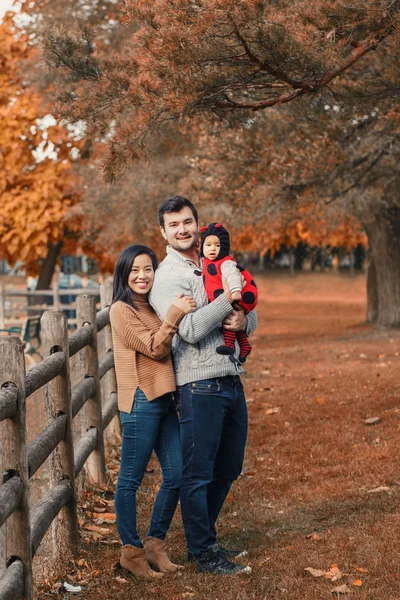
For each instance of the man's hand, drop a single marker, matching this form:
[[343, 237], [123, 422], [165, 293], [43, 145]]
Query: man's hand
[[236, 321]]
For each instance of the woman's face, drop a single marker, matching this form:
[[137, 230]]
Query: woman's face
[[141, 277]]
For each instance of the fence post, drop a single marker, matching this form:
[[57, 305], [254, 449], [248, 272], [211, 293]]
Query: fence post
[[110, 385], [2, 305], [86, 316], [56, 295], [58, 401], [16, 532]]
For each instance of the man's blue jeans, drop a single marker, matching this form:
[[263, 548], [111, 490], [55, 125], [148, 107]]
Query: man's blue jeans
[[213, 422], [150, 426]]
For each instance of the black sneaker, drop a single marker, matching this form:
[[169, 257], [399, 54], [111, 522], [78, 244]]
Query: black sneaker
[[230, 554], [226, 553], [215, 563]]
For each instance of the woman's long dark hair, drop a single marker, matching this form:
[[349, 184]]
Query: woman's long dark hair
[[121, 289]]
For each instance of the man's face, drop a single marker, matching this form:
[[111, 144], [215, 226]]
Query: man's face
[[180, 230]]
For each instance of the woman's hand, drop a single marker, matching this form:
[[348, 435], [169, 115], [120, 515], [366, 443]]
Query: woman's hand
[[185, 303]]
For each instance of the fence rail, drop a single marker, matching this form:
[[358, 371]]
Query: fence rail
[[55, 294], [24, 526]]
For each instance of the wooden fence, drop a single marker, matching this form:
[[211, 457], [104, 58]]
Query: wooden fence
[[54, 295], [23, 525]]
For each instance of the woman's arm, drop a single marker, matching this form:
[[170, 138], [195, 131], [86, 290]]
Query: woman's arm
[[136, 336]]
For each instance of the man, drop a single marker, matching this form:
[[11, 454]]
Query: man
[[210, 397]]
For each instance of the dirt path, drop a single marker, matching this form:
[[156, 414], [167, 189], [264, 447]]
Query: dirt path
[[308, 496]]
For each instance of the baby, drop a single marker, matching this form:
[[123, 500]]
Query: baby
[[218, 264]]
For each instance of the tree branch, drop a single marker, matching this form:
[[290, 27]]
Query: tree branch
[[310, 87]]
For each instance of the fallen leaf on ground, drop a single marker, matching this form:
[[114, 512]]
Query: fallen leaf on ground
[[315, 537], [334, 573], [341, 589], [361, 570], [381, 488], [320, 400], [315, 572], [106, 518], [97, 529], [357, 582], [82, 563], [273, 411], [372, 420], [121, 580]]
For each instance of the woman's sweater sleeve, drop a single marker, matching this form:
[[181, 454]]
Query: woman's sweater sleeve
[[136, 336]]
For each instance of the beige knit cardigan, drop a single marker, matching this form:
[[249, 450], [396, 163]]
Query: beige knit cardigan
[[142, 350]]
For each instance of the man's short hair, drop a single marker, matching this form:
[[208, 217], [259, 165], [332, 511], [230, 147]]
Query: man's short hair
[[175, 204]]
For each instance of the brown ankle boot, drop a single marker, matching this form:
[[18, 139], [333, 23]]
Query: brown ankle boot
[[134, 560], [157, 556]]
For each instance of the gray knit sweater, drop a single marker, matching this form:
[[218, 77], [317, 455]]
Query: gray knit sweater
[[198, 334]]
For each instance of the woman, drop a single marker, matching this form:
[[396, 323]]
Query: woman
[[145, 379]]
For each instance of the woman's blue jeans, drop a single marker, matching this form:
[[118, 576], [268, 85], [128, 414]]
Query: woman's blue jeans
[[150, 426]]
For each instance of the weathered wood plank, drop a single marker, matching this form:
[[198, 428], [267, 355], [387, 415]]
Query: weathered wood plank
[[8, 402], [15, 533], [46, 510], [48, 439], [113, 433], [110, 409], [81, 393], [12, 582], [106, 364], [84, 448], [10, 496], [44, 372], [86, 316], [79, 339], [58, 401]]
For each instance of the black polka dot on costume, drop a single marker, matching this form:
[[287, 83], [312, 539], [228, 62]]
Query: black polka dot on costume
[[241, 269], [218, 293], [253, 283], [248, 297], [212, 270]]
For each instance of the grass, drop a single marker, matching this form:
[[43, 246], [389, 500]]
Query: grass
[[313, 467]]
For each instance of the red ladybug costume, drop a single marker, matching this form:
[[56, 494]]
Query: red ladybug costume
[[212, 277]]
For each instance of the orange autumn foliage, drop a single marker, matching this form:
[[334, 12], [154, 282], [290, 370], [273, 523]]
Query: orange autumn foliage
[[39, 196]]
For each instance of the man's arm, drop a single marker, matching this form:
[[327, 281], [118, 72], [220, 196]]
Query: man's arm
[[194, 326], [252, 322]]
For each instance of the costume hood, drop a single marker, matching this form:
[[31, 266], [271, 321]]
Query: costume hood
[[221, 233]]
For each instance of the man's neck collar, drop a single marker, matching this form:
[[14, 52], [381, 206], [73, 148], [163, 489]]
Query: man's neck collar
[[184, 257]]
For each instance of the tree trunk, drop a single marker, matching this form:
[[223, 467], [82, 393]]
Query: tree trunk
[[291, 261], [48, 265], [384, 238], [372, 293]]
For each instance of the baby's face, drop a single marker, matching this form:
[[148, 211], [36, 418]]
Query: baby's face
[[211, 247]]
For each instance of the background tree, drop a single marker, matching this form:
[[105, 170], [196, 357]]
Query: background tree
[[228, 61], [37, 186]]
